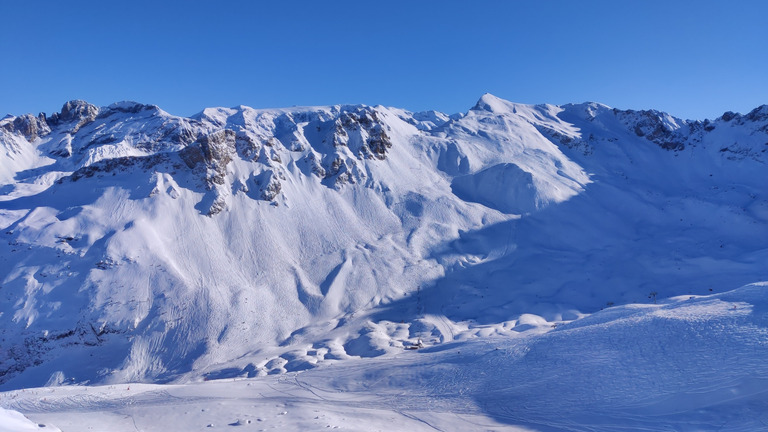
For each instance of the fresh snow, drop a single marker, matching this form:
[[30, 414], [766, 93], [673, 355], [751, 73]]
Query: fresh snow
[[14, 421], [690, 363], [566, 267]]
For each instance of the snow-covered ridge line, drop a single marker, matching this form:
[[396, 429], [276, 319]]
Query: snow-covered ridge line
[[130, 129]]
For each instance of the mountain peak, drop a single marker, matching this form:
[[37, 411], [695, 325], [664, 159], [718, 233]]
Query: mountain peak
[[759, 113], [131, 107], [491, 103], [77, 110]]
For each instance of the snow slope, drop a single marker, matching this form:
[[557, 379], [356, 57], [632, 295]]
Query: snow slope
[[144, 247], [691, 363], [13, 421]]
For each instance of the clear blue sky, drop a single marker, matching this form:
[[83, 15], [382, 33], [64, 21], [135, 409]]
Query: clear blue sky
[[692, 59]]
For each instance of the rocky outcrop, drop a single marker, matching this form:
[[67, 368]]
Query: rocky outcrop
[[212, 152], [247, 147], [29, 126], [127, 107], [75, 112], [114, 165], [32, 127], [364, 132], [218, 147], [268, 184], [655, 126], [315, 166], [759, 114], [78, 111]]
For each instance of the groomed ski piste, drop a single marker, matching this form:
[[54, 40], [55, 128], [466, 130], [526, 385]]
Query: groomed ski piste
[[515, 267]]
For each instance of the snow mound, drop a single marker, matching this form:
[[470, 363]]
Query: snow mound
[[504, 187]]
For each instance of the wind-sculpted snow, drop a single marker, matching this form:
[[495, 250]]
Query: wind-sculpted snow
[[504, 187], [141, 246], [687, 363]]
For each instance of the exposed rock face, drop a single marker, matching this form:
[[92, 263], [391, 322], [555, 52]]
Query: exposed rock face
[[269, 185], [332, 145], [117, 164], [314, 164], [247, 147], [757, 115], [161, 132], [213, 152], [218, 147], [29, 126], [364, 132], [128, 107], [33, 127], [78, 111], [657, 127]]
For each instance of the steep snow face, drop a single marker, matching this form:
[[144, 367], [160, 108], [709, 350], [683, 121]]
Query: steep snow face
[[540, 173], [144, 246]]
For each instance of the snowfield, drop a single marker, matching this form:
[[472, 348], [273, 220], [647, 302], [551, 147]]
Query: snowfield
[[515, 267], [691, 363]]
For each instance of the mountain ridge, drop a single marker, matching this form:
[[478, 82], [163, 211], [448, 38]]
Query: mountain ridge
[[266, 241]]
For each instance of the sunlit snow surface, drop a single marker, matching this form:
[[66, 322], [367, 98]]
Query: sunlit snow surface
[[562, 268], [693, 363]]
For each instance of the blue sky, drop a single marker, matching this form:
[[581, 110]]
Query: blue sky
[[692, 59]]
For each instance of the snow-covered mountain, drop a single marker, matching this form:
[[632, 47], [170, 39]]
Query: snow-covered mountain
[[142, 246]]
